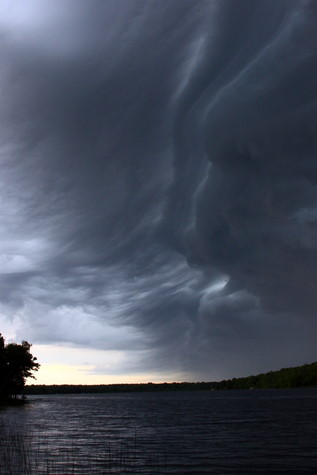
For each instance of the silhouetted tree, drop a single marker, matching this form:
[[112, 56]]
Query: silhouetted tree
[[16, 365]]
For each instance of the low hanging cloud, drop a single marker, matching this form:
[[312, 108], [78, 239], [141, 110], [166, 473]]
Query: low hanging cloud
[[158, 181]]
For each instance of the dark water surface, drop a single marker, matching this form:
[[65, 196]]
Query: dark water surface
[[260, 431]]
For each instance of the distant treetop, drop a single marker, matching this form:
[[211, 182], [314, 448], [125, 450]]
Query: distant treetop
[[16, 365]]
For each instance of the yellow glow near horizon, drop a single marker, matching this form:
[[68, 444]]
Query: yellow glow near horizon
[[66, 374], [59, 374], [68, 365]]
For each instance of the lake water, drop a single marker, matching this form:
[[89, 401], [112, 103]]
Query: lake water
[[216, 432]]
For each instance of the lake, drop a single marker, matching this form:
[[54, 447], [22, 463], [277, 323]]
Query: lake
[[220, 432]]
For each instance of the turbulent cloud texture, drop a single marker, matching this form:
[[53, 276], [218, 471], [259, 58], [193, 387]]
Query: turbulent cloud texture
[[158, 186]]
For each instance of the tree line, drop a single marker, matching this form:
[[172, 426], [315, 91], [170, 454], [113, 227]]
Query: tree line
[[296, 377]]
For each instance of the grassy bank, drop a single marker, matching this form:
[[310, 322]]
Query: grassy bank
[[4, 402], [28, 454]]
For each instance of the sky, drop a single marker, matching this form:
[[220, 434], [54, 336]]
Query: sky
[[158, 187]]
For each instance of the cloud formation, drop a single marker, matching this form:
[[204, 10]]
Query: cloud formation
[[158, 181]]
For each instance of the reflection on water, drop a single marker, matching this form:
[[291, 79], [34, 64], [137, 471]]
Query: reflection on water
[[269, 431]]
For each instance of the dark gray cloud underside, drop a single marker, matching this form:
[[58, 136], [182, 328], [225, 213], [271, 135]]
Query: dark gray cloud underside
[[159, 174]]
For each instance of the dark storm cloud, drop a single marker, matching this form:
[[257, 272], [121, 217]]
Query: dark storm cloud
[[158, 189]]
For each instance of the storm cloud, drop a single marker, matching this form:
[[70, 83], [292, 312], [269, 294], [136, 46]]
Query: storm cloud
[[158, 186]]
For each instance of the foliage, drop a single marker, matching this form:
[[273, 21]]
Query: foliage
[[296, 377], [16, 365]]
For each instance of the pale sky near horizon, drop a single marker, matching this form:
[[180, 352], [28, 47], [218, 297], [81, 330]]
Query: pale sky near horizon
[[158, 187]]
